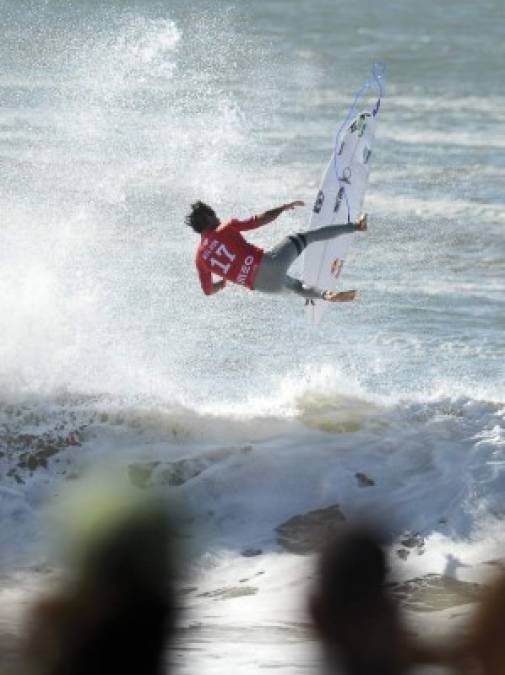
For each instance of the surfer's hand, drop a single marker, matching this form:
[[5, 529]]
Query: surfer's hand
[[292, 205], [219, 285]]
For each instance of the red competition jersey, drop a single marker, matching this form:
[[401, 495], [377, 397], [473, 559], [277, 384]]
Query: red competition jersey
[[225, 252]]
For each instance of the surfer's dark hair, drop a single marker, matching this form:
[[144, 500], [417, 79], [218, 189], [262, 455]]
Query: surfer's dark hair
[[197, 219]]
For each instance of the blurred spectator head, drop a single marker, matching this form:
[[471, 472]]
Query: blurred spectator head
[[485, 644], [357, 621], [115, 608]]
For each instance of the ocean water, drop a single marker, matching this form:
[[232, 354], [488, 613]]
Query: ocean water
[[114, 117]]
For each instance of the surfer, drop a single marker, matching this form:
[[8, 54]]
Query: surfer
[[223, 251]]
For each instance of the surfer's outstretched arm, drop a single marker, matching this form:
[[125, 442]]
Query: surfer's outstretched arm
[[272, 214]]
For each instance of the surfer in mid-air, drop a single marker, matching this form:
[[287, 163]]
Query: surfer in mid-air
[[223, 251]]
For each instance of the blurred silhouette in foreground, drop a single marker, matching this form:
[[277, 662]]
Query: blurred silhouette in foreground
[[482, 649], [357, 619], [117, 609]]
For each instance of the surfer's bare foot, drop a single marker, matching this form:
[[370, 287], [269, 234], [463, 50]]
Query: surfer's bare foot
[[362, 223], [343, 296]]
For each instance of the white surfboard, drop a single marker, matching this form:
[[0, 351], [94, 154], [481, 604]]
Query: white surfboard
[[341, 195]]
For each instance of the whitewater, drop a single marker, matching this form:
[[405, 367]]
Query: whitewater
[[113, 119]]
